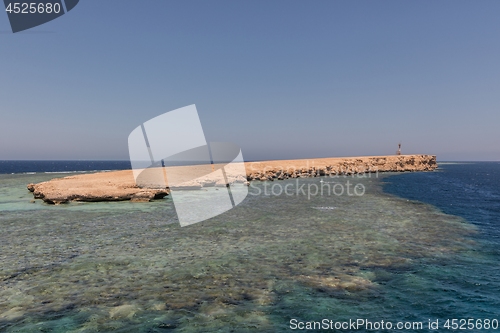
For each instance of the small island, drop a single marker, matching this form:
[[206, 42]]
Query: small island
[[121, 186]]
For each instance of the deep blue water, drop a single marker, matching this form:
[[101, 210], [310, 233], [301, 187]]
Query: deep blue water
[[14, 167], [469, 190], [472, 192]]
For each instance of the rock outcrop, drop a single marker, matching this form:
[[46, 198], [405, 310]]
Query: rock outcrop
[[102, 186], [271, 170], [120, 185]]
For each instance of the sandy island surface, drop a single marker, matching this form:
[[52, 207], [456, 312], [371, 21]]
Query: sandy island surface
[[120, 185]]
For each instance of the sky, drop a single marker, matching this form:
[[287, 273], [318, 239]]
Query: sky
[[282, 79]]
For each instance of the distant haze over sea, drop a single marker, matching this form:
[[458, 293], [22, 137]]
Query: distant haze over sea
[[10, 167]]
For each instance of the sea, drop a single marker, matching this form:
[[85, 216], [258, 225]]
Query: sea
[[414, 252]]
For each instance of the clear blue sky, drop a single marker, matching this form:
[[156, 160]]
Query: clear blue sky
[[283, 79]]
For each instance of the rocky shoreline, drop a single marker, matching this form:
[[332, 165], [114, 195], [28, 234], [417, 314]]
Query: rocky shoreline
[[121, 186], [95, 187], [270, 170]]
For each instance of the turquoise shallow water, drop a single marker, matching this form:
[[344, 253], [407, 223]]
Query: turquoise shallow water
[[130, 267]]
